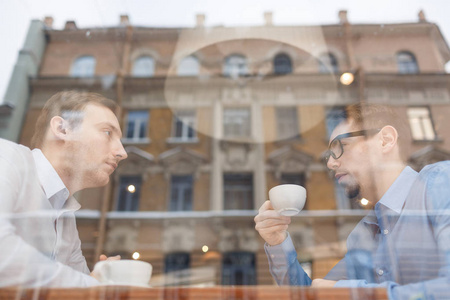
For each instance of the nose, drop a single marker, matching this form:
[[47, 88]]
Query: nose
[[120, 152], [332, 163]]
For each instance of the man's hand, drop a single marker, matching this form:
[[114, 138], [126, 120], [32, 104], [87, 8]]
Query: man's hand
[[102, 258], [322, 283], [271, 225]]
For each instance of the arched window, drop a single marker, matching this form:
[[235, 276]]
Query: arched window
[[282, 64], [189, 66], [406, 62], [83, 66], [235, 66], [143, 66], [328, 63]]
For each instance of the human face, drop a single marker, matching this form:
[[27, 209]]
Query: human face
[[352, 159], [94, 147]]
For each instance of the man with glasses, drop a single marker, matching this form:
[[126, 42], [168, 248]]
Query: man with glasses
[[403, 244]]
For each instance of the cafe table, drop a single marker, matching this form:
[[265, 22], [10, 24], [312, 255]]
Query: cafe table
[[197, 293]]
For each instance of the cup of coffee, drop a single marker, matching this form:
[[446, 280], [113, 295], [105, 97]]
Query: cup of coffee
[[287, 199], [123, 272]]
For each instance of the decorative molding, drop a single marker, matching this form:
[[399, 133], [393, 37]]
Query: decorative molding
[[289, 160], [121, 238], [138, 162], [242, 239], [181, 161], [237, 155], [178, 237]]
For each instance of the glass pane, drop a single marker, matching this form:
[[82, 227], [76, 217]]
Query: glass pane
[[144, 66]]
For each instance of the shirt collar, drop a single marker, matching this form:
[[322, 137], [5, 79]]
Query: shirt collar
[[395, 196], [53, 186]]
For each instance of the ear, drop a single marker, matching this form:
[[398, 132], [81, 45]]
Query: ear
[[388, 138], [58, 127]]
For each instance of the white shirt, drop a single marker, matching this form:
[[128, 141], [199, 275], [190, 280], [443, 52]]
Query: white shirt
[[39, 243]]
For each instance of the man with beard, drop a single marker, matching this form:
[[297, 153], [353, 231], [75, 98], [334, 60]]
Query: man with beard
[[77, 146], [403, 244]]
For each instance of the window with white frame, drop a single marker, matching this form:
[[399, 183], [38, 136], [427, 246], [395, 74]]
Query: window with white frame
[[129, 193], [137, 123], [189, 66], [287, 123], [235, 66], [83, 66], [181, 193], [183, 126], [406, 63], [238, 191], [236, 122], [421, 124], [143, 66]]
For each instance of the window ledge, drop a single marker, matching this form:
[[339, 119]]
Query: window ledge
[[437, 140], [141, 141], [175, 140], [291, 140]]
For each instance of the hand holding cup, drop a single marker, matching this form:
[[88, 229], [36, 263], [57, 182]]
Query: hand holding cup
[[288, 199]]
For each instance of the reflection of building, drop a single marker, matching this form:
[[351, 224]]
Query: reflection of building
[[215, 117]]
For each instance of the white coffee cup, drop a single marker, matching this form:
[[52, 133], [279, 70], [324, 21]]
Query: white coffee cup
[[123, 272], [288, 199]]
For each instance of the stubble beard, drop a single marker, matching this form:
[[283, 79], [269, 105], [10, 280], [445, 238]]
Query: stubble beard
[[353, 191]]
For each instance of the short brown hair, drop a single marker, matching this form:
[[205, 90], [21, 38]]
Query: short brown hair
[[372, 116], [66, 104]]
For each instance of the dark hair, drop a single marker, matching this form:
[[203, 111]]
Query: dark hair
[[68, 105], [371, 116]]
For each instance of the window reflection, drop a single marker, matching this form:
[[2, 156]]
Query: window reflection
[[188, 66], [406, 63], [143, 66], [83, 66], [235, 66], [282, 64]]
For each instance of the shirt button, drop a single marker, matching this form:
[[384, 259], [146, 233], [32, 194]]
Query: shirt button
[[272, 255], [380, 272], [385, 231]]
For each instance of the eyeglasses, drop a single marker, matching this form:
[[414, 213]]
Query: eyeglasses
[[335, 149]]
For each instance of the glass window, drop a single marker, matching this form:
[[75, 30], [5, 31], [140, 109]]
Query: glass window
[[181, 193], [83, 66], [282, 64], [421, 123], [287, 123], [236, 122], [176, 262], [238, 191], [183, 126], [143, 66], [189, 66], [235, 66], [238, 268], [137, 124], [406, 63], [334, 116], [328, 63], [129, 192]]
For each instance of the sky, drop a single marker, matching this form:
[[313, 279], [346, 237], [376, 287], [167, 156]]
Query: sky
[[15, 16]]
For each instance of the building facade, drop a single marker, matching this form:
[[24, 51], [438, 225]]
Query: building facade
[[213, 117]]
